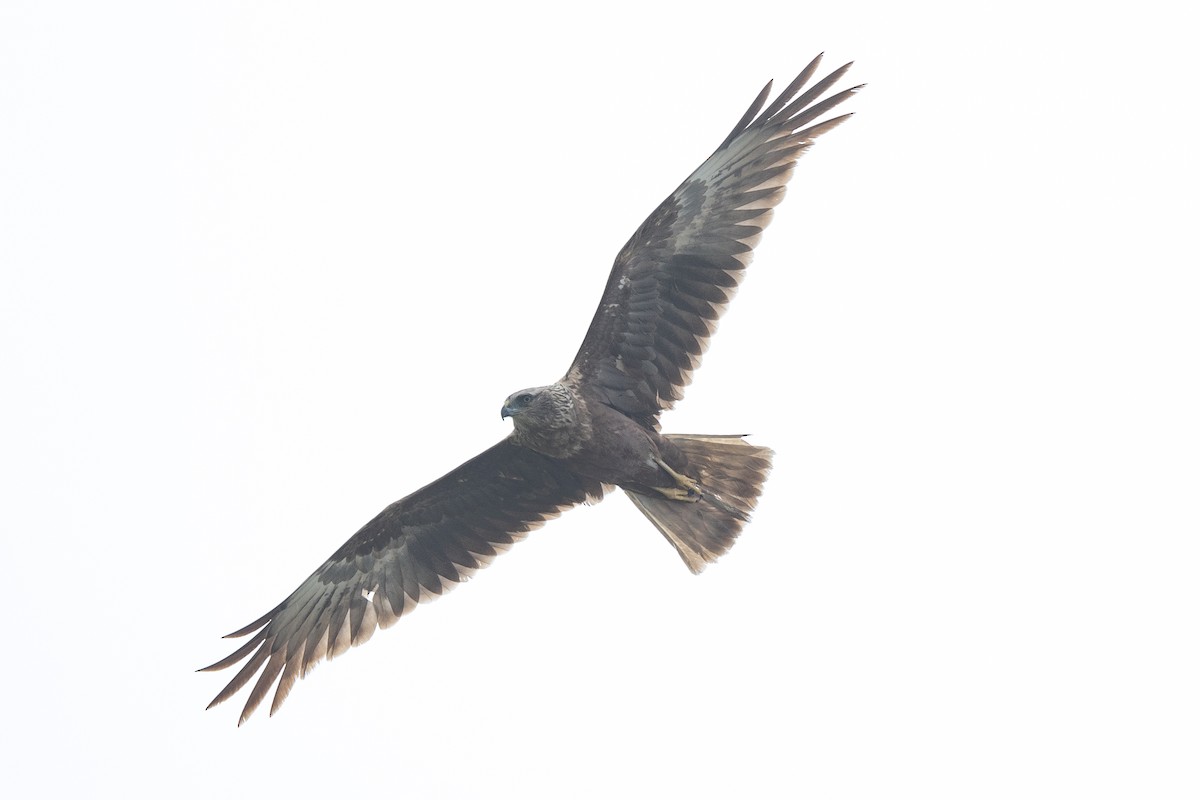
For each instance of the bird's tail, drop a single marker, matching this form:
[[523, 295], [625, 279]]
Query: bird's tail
[[730, 472]]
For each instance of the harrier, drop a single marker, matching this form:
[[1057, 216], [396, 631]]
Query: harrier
[[594, 429]]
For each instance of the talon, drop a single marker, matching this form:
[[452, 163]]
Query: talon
[[679, 493]]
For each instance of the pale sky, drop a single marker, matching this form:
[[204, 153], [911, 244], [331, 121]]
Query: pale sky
[[265, 268]]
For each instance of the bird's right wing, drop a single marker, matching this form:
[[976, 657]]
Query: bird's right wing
[[674, 277], [414, 549]]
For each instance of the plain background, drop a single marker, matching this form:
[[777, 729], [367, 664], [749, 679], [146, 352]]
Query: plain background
[[268, 267]]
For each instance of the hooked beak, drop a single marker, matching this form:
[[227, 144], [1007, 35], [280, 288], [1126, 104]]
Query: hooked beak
[[505, 412]]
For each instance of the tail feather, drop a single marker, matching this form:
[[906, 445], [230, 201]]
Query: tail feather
[[731, 473]]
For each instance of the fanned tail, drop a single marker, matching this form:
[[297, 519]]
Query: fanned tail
[[731, 473]]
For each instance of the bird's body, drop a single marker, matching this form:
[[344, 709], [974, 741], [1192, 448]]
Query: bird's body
[[594, 429], [588, 437]]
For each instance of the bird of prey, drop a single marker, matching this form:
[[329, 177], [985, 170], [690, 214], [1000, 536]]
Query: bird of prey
[[594, 429]]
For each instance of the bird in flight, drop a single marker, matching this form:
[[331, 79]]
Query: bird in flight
[[594, 429]]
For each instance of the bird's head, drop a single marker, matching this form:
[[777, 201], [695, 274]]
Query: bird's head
[[523, 401], [547, 419]]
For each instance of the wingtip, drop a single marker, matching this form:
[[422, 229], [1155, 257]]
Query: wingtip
[[813, 65]]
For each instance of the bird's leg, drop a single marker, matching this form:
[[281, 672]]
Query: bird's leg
[[685, 488]]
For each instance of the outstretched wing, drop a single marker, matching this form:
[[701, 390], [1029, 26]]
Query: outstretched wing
[[414, 549], [673, 279]]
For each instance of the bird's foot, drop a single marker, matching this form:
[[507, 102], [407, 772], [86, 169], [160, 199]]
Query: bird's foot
[[685, 489]]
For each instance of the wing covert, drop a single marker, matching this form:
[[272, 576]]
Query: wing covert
[[413, 550], [671, 282]]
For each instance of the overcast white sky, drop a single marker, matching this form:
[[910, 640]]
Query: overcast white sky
[[265, 268]]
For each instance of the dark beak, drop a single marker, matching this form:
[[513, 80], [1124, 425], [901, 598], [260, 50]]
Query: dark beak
[[505, 412]]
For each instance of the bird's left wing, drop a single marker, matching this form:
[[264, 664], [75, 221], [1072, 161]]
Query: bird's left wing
[[674, 277], [414, 549]]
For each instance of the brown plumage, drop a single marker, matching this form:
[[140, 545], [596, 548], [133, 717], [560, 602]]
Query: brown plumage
[[595, 428]]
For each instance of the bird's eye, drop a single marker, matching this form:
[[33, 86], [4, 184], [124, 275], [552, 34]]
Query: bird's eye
[[524, 400]]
